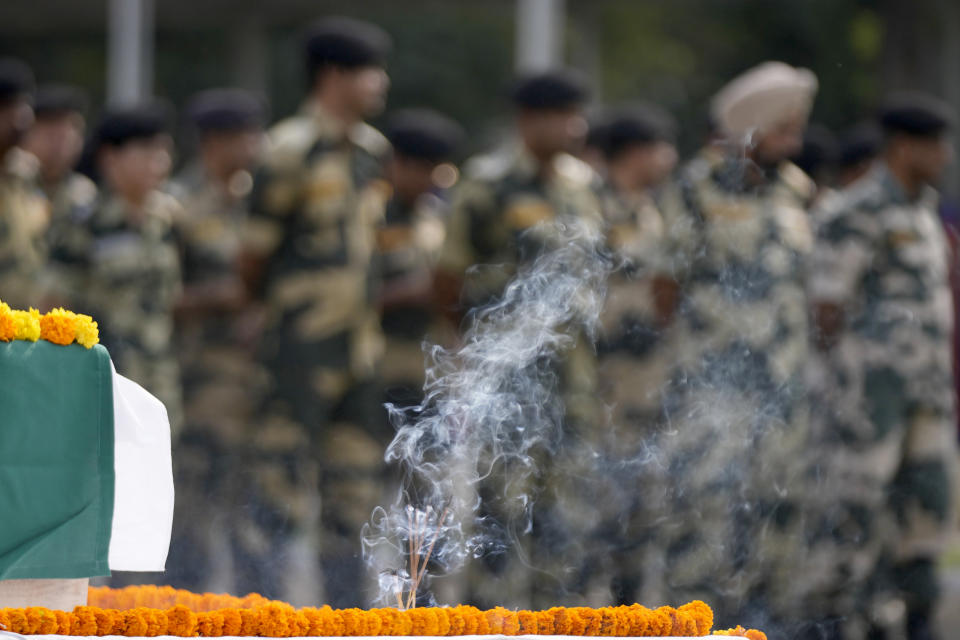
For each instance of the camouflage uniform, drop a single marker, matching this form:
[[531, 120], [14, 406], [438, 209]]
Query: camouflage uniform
[[736, 411], [494, 227], [634, 361], [130, 270], [220, 379], [315, 208], [24, 217], [883, 258], [408, 244], [72, 200]]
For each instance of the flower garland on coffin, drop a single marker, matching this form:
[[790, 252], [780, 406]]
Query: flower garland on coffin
[[154, 611]]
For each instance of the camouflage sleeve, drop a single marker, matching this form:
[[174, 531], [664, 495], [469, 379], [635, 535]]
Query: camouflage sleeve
[[843, 250], [275, 196], [472, 203], [680, 230]]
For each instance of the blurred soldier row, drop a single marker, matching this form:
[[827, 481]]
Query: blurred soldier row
[[714, 442]]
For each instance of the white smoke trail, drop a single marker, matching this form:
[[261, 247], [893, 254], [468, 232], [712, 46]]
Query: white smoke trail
[[491, 404]]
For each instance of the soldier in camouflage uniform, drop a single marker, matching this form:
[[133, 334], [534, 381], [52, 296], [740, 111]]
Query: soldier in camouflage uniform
[[24, 212], [736, 413], [634, 358], [56, 139], [409, 243], [214, 338], [883, 302], [316, 205], [496, 225], [125, 253]]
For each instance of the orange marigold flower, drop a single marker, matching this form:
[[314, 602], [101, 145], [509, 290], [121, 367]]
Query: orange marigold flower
[[249, 622], [544, 623], [84, 622], [754, 634], [354, 622], [402, 624], [701, 615], [8, 328], [16, 621], [40, 621], [210, 624], [156, 620], [59, 326], [181, 621], [4, 620], [64, 622], [374, 623], [232, 622], [133, 623], [527, 621], [314, 622], [274, 620]]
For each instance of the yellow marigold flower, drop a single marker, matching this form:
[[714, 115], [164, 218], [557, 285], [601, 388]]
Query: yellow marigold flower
[[59, 326], [27, 325], [88, 333], [8, 329]]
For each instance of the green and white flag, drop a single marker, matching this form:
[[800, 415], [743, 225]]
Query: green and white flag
[[86, 484]]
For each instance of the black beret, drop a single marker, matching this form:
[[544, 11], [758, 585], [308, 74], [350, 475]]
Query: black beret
[[346, 42], [819, 149], [16, 79], [226, 110], [59, 99], [120, 125], [637, 125], [862, 142], [917, 114], [424, 133], [559, 89]]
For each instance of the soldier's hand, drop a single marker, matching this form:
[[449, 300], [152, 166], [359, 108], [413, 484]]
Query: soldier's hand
[[827, 323], [666, 297]]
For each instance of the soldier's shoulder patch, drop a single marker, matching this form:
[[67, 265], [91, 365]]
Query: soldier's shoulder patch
[[370, 140], [798, 181], [22, 164], [165, 206], [290, 139], [488, 167], [574, 172], [82, 190]]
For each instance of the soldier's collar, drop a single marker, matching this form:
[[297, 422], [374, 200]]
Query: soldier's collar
[[895, 191], [327, 127], [20, 163]]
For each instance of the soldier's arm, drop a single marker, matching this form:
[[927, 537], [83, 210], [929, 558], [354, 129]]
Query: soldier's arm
[[275, 196], [472, 202], [842, 252], [677, 252]]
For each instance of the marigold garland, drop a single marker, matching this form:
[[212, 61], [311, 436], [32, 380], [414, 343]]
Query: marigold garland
[[58, 326], [152, 611]]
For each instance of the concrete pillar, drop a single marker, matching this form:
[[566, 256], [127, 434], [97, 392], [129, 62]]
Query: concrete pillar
[[539, 34], [129, 51]]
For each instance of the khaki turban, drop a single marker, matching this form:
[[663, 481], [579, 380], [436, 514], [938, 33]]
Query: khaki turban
[[763, 96]]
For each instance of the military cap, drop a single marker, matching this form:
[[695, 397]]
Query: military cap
[[346, 42], [58, 99], [862, 142], [424, 133], [558, 89], [761, 97], [819, 150], [637, 125], [16, 79], [917, 114], [120, 125], [226, 110]]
